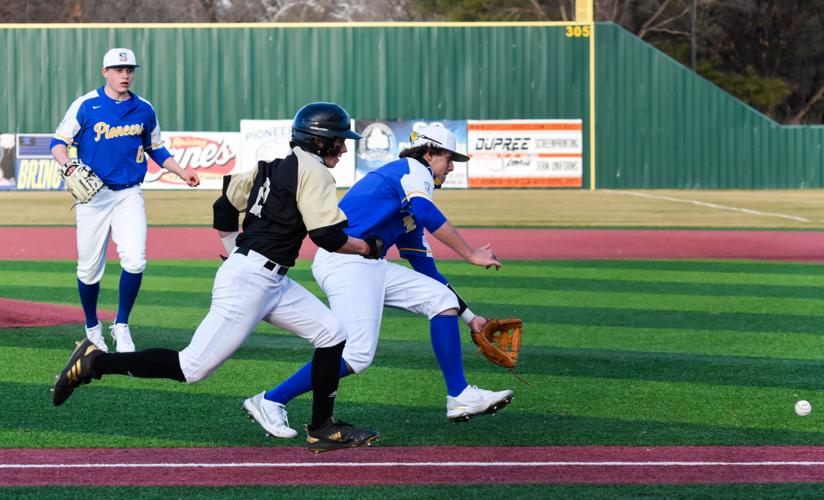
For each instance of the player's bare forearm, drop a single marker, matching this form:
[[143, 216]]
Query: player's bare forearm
[[187, 175], [60, 152], [481, 256], [449, 236]]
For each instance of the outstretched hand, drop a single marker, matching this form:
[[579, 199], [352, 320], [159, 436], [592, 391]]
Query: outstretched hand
[[190, 177], [484, 256]]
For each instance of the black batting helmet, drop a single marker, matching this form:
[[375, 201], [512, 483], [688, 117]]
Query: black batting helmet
[[321, 120]]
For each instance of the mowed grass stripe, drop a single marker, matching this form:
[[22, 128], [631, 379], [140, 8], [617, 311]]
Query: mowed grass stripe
[[706, 343], [640, 318], [415, 361], [578, 284], [719, 272], [795, 269], [414, 492], [163, 415]]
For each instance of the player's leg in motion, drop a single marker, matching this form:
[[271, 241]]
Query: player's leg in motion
[[240, 297], [129, 233], [93, 228], [420, 294], [304, 314], [355, 289]]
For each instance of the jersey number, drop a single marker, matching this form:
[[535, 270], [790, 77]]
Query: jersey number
[[139, 158], [263, 193]]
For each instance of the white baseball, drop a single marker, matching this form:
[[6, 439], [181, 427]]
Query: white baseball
[[803, 408]]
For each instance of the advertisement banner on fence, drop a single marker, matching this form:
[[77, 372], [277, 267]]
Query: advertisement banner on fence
[[211, 154], [8, 163], [525, 153], [383, 140], [36, 170], [269, 139]]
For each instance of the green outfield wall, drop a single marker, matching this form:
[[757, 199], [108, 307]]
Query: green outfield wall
[[658, 125]]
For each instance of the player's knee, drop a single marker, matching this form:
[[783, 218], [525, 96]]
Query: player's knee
[[358, 361], [89, 275], [331, 334], [134, 264], [442, 303]]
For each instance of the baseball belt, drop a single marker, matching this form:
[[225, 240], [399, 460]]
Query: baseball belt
[[271, 266]]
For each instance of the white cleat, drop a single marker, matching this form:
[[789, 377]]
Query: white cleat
[[95, 335], [474, 401], [270, 415], [122, 337]]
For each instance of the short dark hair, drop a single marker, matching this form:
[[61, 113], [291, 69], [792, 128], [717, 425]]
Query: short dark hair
[[418, 152]]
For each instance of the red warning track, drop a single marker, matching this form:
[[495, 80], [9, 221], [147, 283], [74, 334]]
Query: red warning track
[[411, 465], [25, 243]]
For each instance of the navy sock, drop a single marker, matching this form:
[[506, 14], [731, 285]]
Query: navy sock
[[299, 383], [88, 299], [446, 342], [129, 286]]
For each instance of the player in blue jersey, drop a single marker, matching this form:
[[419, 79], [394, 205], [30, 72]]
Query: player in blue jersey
[[113, 129], [395, 204]]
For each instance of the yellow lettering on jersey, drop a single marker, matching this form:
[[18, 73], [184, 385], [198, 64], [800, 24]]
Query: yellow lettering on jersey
[[409, 223], [105, 130]]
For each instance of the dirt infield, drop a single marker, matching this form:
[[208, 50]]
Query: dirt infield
[[30, 243], [412, 465], [23, 313]]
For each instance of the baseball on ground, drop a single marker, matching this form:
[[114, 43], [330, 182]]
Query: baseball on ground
[[803, 408]]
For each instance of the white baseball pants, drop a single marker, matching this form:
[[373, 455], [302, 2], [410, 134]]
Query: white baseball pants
[[359, 288], [245, 293], [120, 214]]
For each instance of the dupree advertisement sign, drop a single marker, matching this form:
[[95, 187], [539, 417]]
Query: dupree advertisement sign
[[525, 153]]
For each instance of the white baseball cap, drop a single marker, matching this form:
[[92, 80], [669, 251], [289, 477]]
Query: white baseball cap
[[438, 136], [119, 57]]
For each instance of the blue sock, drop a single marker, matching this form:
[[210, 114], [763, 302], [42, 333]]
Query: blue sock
[[88, 299], [299, 383], [446, 342], [129, 286]]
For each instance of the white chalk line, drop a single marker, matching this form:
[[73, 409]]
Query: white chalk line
[[408, 464], [711, 205]]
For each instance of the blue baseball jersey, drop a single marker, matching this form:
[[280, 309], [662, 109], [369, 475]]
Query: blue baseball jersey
[[113, 137], [390, 203]]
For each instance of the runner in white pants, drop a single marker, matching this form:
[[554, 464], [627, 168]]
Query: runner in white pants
[[395, 203], [284, 200]]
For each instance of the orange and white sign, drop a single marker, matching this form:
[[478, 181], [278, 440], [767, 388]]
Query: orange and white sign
[[211, 154], [525, 153]]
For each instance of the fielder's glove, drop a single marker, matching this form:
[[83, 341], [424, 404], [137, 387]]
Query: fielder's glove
[[375, 247], [500, 341], [82, 182]]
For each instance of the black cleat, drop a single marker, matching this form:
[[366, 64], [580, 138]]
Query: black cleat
[[78, 371], [337, 435]]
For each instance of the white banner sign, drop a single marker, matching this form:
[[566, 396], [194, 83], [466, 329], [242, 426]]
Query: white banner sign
[[525, 153], [265, 140]]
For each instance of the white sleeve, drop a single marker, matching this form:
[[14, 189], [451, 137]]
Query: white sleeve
[[69, 126], [418, 182]]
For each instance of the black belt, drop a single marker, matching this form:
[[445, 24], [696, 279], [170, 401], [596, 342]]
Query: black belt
[[281, 270]]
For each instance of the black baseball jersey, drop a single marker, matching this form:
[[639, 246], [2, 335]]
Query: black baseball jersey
[[284, 200]]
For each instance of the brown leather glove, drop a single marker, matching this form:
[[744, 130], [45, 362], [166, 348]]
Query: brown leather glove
[[500, 341]]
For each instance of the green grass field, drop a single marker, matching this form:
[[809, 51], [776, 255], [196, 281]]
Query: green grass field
[[616, 353]]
